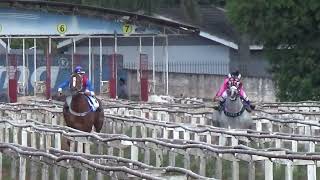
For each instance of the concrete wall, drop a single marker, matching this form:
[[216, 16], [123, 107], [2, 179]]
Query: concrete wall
[[203, 86]]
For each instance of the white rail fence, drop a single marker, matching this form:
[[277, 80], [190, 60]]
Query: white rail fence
[[155, 142]]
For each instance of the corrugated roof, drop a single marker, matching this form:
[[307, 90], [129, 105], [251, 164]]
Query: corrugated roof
[[212, 20], [96, 11]]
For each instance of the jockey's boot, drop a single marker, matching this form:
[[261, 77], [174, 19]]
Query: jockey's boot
[[220, 106], [65, 106], [249, 107], [99, 109], [252, 106]]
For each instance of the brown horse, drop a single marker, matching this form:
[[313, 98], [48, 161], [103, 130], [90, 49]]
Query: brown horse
[[77, 112]]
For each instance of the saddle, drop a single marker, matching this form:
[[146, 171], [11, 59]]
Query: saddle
[[76, 85], [93, 102]]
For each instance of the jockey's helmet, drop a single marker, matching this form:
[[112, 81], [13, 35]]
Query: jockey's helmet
[[235, 74], [79, 70]]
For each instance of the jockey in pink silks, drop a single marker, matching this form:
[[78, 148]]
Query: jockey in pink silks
[[233, 79]]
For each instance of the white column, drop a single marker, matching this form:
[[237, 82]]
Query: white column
[[23, 161], [115, 62], [140, 45], [73, 52], [138, 62], [167, 67], [268, 170], [90, 75], [100, 59], [312, 169], [49, 45], [8, 46], [289, 171], [23, 65], [35, 65], [153, 67]]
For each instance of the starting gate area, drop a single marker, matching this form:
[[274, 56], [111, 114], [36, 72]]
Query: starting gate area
[[41, 46]]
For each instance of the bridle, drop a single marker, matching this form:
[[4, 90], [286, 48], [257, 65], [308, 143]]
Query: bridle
[[233, 95], [75, 83], [77, 89]]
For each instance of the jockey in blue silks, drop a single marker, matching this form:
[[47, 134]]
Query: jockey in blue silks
[[86, 85]]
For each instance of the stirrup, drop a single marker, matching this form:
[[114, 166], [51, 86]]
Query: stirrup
[[98, 109]]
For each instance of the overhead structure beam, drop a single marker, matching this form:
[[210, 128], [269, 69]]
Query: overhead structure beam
[[68, 7]]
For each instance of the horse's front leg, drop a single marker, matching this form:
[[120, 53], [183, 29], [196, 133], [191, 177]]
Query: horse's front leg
[[65, 144]]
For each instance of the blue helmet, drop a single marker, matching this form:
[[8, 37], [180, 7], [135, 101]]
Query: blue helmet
[[79, 70]]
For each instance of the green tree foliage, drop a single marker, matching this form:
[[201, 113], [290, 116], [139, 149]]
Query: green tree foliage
[[289, 30]]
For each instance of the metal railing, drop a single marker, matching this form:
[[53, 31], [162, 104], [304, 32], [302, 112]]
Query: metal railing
[[209, 67], [253, 69]]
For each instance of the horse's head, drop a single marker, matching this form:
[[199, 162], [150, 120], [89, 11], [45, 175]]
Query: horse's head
[[233, 93], [75, 83], [234, 113]]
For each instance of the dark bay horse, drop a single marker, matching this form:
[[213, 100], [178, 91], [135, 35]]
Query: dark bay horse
[[77, 112], [234, 114]]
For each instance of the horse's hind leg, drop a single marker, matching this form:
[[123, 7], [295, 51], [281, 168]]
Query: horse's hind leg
[[98, 122], [99, 118], [65, 144]]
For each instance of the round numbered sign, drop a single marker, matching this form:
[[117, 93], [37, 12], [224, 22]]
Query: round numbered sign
[[62, 28], [127, 29]]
